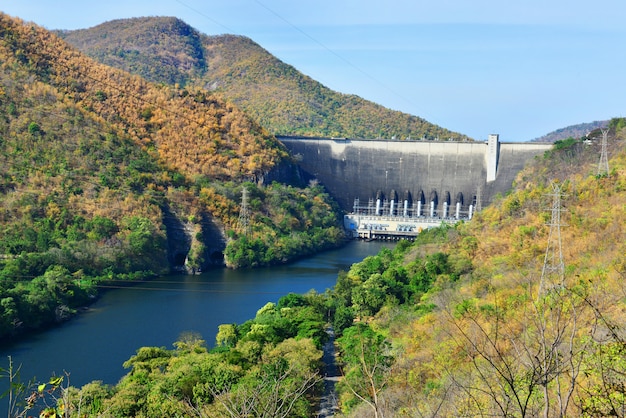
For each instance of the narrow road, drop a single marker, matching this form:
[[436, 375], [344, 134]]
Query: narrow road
[[328, 402]]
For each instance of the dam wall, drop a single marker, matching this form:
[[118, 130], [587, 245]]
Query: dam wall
[[417, 171]]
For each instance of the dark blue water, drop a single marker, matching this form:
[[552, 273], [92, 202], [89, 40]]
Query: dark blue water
[[94, 345]]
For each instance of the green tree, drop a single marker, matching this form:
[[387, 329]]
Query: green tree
[[367, 364], [368, 298], [148, 359], [278, 387], [226, 335], [101, 227], [34, 128], [9, 319]]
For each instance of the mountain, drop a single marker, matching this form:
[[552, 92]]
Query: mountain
[[273, 93], [573, 131], [520, 312], [162, 50], [106, 176]]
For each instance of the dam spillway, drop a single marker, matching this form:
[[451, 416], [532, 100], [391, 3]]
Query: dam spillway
[[439, 173]]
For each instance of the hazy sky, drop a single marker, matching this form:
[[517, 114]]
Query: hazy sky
[[520, 69]]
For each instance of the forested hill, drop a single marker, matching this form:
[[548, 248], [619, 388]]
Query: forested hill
[[196, 133], [104, 175], [518, 313], [572, 131], [273, 93]]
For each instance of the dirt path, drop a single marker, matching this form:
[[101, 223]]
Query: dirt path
[[328, 402]]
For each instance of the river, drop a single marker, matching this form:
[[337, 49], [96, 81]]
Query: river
[[93, 345]]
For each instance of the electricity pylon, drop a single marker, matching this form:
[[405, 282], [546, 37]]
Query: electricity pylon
[[553, 266], [603, 167], [244, 214]]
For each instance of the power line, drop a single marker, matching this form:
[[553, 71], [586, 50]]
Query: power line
[[205, 16], [167, 289], [315, 40], [344, 59], [133, 285]]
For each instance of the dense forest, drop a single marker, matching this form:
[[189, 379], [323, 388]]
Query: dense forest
[[276, 95], [519, 312], [98, 167]]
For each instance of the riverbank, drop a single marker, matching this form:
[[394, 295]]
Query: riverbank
[[156, 312]]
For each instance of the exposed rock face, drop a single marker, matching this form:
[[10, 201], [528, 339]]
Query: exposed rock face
[[178, 240], [213, 244], [193, 247]]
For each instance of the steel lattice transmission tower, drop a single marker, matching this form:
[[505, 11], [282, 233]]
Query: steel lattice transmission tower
[[244, 214], [553, 266], [603, 167]]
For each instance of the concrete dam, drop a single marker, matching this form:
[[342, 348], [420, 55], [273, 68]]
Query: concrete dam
[[414, 179]]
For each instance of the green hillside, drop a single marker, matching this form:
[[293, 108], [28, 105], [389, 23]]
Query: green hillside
[[465, 321], [104, 176], [273, 93], [162, 50], [520, 312], [484, 320]]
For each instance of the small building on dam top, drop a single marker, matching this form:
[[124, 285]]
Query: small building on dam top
[[393, 189]]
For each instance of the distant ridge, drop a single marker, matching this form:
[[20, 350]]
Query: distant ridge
[[573, 131], [275, 94], [162, 50]]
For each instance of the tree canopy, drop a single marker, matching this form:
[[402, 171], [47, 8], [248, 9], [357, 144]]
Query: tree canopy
[[100, 170]]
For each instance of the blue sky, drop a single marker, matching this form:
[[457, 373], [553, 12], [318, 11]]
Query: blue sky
[[520, 69]]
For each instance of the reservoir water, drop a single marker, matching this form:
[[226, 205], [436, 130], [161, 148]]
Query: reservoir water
[[93, 345]]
